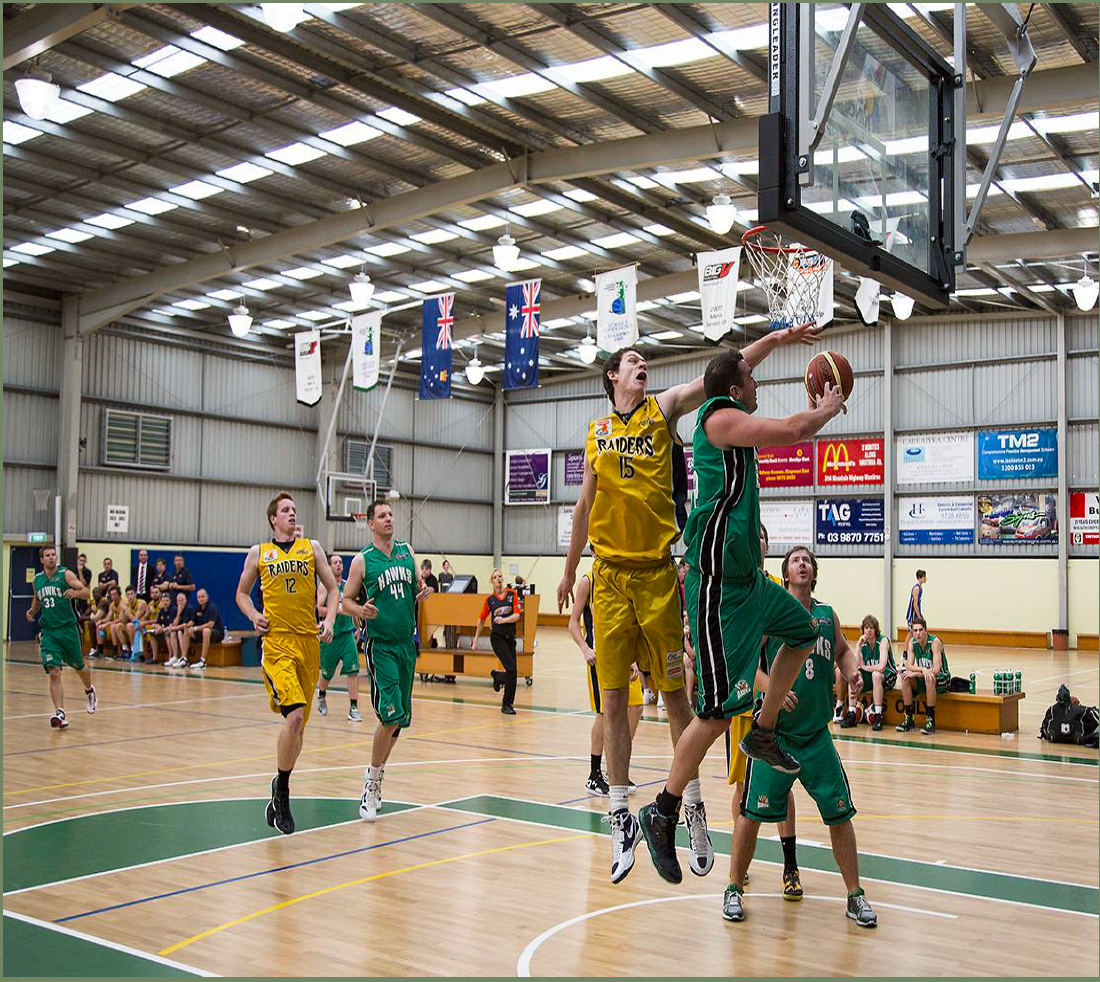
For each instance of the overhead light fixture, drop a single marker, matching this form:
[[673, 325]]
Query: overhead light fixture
[[505, 253], [362, 289], [1085, 291], [721, 213], [283, 16], [588, 349], [903, 306], [37, 93], [240, 321], [475, 371], [393, 495]]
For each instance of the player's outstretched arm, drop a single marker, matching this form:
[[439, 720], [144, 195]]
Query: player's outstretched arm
[[249, 575], [678, 400], [579, 537], [332, 590], [733, 428], [352, 589], [756, 352]]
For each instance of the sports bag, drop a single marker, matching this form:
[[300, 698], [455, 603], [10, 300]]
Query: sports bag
[[1067, 722]]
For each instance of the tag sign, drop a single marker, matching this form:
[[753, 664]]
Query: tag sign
[[118, 518]]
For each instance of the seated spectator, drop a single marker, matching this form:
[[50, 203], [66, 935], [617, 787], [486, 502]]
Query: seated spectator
[[161, 577], [129, 615], [925, 671], [206, 624], [158, 616], [426, 574], [97, 617], [446, 577], [182, 619], [108, 626], [876, 665], [141, 575], [83, 608], [108, 575]]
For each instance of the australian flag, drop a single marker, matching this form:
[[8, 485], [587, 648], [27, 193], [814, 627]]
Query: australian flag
[[523, 308], [437, 345]]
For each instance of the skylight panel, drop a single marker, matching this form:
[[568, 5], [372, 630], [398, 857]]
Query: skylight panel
[[346, 261], [672, 53], [1062, 124], [10, 262], [191, 304], [170, 61], [388, 249], [72, 235], [434, 237], [16, 133], [151, 206], [474, 275], [244, 172], [33, 248], [616, 241], [111, 87], [579, 194], [665, 335], [591, 70], [743, 38], [216, 38], [465, 96], [225, 295], [430, 286], [351, 133], [557, 322], [640, 181], [399, 116], [196, 190], [522, 264], [263, 283], [692, 175], [483, 222], [304, 272], [110, 221], [390, 296], [295, 153], [280, 323], [566, 252], [314, 315], [687, 297], [65, 112], [534, 208], [515, 86], [658, 229]]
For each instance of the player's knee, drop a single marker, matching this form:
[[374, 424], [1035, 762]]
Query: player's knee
[[55, 671]]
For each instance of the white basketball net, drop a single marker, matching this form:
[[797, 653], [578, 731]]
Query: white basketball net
[[790, 276]]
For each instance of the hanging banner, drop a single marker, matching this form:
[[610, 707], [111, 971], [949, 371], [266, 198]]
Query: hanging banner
[[616, 314], [307, 367], [574, 468], [527, 477], [935, 458], [787, 467], [366, 346], [867, 301], [437, 321], [789, 523], [1018, 516], [522, 305], [850, 521], [850, 462], [928, 521], [1084, 518], [1017, 454], [718, 278], [565, 525]]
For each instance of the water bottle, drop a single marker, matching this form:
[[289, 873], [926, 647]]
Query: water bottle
[[1019, 681], [136, 654], [973, 683]]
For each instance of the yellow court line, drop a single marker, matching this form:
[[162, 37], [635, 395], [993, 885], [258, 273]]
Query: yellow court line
[[368, 879]]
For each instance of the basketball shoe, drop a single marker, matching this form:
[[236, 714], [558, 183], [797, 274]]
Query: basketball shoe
[[625, 834]]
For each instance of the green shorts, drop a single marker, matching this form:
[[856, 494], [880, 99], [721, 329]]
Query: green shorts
[[728, 621], [60, 648], [889, 677], [766, 789], [340, 652], [943, 683], [392, 666]]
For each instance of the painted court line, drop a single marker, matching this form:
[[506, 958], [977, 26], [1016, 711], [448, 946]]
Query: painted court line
[[962, 767], [114, 945], [138, 705], [523, 965]]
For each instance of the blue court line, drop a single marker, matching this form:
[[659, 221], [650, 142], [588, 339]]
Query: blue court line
[[478, 746], [277, 869], [107, 743], [588, 797]]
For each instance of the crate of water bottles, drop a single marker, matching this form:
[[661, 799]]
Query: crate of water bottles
[[1007, 682]]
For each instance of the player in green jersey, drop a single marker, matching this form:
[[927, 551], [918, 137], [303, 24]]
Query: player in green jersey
[[805, 732], [382, 588], [341, 651], [731, 603], [876, 668], [925, 671], [55, 589]]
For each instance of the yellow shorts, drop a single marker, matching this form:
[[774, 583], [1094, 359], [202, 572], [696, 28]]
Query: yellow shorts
[[637, 615], [735, 759], [595, 698], [290, 666]]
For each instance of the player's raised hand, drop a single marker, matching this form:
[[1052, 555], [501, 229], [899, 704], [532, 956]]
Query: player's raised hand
[[831, 400], [565, 592], [806, 334]]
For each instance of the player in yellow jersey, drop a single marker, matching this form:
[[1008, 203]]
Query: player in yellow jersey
[[288, 569]]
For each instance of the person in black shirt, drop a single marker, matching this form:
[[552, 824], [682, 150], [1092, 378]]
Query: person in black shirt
[[108, 575], [141, 576], [182, 580], [426, 575], [206, 623], [503, 609], [161, 577], [446, 577]]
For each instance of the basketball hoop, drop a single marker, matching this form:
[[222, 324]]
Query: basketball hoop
[[790, 276]]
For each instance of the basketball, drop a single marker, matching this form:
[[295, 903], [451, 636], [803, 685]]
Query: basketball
[[828, 368], [859, 712]]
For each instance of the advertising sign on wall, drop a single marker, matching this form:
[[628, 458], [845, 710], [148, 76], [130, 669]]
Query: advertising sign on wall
[[789, 523], [1018, 516], [527, 477], [574, 468], [787, 467], [1084, 518], [850, 462], [565, 525], [936, 520], [935, 458], [1017, 454], [849, 521]]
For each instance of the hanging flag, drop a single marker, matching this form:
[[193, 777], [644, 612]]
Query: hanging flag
[[366, 343], [616, 316], [437, 346], [718, 275], [867, 299], [523, 306], [307, 367]]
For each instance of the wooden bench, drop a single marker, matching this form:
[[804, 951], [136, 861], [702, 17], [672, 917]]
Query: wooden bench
[[978, 713], [462, 611], [1088, 642], [986, 638]]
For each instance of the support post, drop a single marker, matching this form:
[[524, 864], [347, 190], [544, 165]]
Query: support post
[[498, 476], [889, 486], [329, 407], [1063, 479], [68, 447], [382, 410]]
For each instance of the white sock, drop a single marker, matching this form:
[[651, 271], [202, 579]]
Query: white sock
[[878, 709], [617, 800], [693, 794], [377, 772]]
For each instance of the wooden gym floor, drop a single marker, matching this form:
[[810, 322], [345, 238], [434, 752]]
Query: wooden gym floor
[[135, 842]]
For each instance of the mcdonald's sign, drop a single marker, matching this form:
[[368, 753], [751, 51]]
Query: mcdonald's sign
[[850, 462]]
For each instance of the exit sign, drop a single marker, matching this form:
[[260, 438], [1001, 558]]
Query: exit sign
[[39, 537]]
